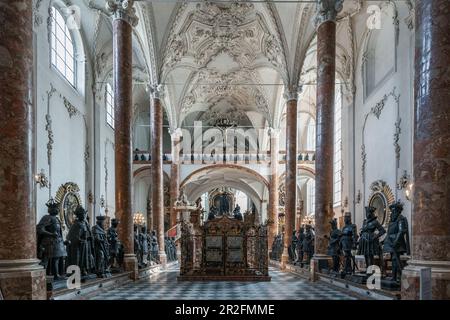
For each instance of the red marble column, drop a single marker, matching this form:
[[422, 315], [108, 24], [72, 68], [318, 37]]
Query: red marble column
[[273, 186], [123, 93], [431, 160], [175, 175], [291, 173], [21, 276], [326, 76], [156, 123]]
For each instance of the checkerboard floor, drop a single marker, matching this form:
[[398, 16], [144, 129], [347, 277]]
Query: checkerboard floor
[[164, 286]]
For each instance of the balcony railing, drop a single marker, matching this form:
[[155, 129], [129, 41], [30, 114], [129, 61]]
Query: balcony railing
[[303, 157]]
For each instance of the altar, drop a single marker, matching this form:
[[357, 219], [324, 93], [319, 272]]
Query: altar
[[224, 248]]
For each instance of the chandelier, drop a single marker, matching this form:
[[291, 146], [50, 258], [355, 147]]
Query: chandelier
[[138, 219]]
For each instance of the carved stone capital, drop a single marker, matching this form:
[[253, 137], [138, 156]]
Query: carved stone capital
[[327, 10], [123, 10], [156, 91], [274, 133], [292, 94], [175, 134]]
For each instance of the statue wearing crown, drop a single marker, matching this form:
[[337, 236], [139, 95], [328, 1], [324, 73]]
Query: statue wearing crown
[[396, 242], [51, 249]]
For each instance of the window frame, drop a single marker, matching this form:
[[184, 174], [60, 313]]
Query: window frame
[[55, 41], [337, 148], [110, 105]]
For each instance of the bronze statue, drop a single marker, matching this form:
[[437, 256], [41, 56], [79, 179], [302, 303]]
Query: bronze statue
[[397, 239], [51, 249], [334, 249], [293, 247], [308, 243], [101, 248], [371, 231], [137, 247], [114, 247], [300, 239], [349, 241], [213, 211], [155, 247], [237, 213], [143, 242], [78, 243]]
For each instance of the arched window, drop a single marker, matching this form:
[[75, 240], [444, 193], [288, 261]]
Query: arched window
[[311, 196], [109, 98], [311, 135], [62, 47], [337, 164]]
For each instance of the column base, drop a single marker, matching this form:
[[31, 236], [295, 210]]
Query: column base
[[163, 258], [318, 263], [130, 263], [284, 259], [440, 279], [22, 279]]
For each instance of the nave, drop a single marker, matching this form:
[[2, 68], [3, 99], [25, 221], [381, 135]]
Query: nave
[[284, 286]]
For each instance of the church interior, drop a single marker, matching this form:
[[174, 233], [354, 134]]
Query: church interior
[[224, 150]]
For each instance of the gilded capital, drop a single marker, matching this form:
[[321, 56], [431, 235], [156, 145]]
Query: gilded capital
[[327, 10], [123, 10]]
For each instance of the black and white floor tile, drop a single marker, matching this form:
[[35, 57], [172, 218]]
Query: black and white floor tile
[[284, 286]]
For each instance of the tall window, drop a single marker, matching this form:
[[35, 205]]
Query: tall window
[[337, 166], [62, 47], [109, 105], [311, 194], [311, 135]]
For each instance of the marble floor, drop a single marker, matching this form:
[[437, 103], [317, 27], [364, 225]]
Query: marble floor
[[284, 286]]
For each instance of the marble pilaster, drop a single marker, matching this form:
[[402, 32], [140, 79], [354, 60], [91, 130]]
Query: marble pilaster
[[273, 185], [326, 76], [431, 159], [123, 22], [291, 172], [156, 123], [21, 276]]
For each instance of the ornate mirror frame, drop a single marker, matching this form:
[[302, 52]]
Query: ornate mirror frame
[[68, 197], [381, 192]]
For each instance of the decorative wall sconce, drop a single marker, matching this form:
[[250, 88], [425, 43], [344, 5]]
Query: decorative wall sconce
[[41, 179], [138, 219], [345, 202], [358, 196], [102, 201], [403, 181], [409, 191], [90, 197]]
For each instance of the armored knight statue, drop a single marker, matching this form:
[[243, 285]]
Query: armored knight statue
[[143, 241], [300, 251], [371, 231], [334, 249], [78, 243], [114, 247], [101, 248], [137, 246], [396, 242], [155, 247], [349, 241], [293, 247], [308, 243], [51, 249], [237, 213], [213, 211]]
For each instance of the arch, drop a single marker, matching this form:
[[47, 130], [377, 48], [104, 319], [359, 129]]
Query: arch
[[222, 166]]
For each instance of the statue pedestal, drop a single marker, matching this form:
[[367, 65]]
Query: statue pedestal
[[319, 262], [130, 264]]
